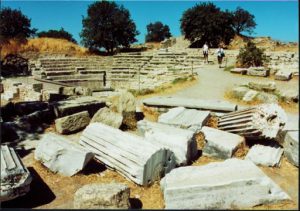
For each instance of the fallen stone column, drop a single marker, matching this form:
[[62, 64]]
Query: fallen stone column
[[212, 105], [15, 177], [130, 155], [61, 155], [180, 141], [263, 121], [232, 184]]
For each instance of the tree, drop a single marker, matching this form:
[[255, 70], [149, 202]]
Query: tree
[[157, 32], [207, 23], [250, 55], [109, 26], [243, 21], [62, 34], [14, 25]]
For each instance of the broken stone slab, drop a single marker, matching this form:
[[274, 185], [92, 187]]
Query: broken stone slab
[[291, 147], [260, 122], [192, 103], [290, 95], [258, 71], [102, 196], [128, 154], [66, 90], [219, 143], [250, 96], [15, 178], [72, 123], [61, 155], [239, 92], [85, 103], [180, 141], [265, 155], [108, 117], [283, 75], [262, 86], [23, 108], [190, 119], [231, 184]]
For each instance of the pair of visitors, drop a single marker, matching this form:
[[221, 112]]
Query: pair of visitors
[[220, 54]]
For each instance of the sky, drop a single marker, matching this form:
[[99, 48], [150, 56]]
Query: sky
[[277, 19]]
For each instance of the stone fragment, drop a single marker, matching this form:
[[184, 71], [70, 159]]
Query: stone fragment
[[128, 154], [250, 96], [262, 86], [67, 90], [37, 87], [265, 155], [260, 122], [283, 75], [231, 184], [124, 102], [72, 123], [290, 95], [191, 119], [60, 155], [85, 103], [266, 97], [15, 178], [181, 142], [291, 147], [239, 92], [258, 71], [83, 91], [219, 143], [193, 103], [102, 196], [242, 71], [108, 117]]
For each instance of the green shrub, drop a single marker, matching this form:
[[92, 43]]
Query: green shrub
[[251, 56]]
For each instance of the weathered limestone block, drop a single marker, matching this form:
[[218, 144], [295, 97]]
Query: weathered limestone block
[[290, 95], [72, 123], [83, 91], [242, 71], [108, 117], [102, 196], [124, 102], [239, 92], [128, 154], [267, 98], [60, 155], [191, 119], [258, 71], [262, 121], [265, 155], [250, 96], [291, 147], [85, 103], [283, 75], [181, 142], [67, 90], [260, 86], [15, 178], [219, 143], [232, 184], [37, 87], [212, 105]]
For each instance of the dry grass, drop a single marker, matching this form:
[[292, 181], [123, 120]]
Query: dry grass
[[44, 45]]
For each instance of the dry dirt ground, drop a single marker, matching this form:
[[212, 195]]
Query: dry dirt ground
[[49, 190]]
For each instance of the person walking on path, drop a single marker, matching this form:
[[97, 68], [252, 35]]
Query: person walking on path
[[220, 55], [205, 52]]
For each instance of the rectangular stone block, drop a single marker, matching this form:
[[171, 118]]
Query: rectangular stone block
[[219, 143], [265, 155], [231, 184], [291, 147], [283, 75], [72, 123]]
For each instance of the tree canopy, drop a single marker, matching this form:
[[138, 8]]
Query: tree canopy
[[157, 32], [108, 26], [207, 23], [14, 25], [243, 21], [62, 34]]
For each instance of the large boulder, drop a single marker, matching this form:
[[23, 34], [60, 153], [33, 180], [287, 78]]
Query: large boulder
[[108, 117], [102, 196], [61, 155], [72, 123]]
